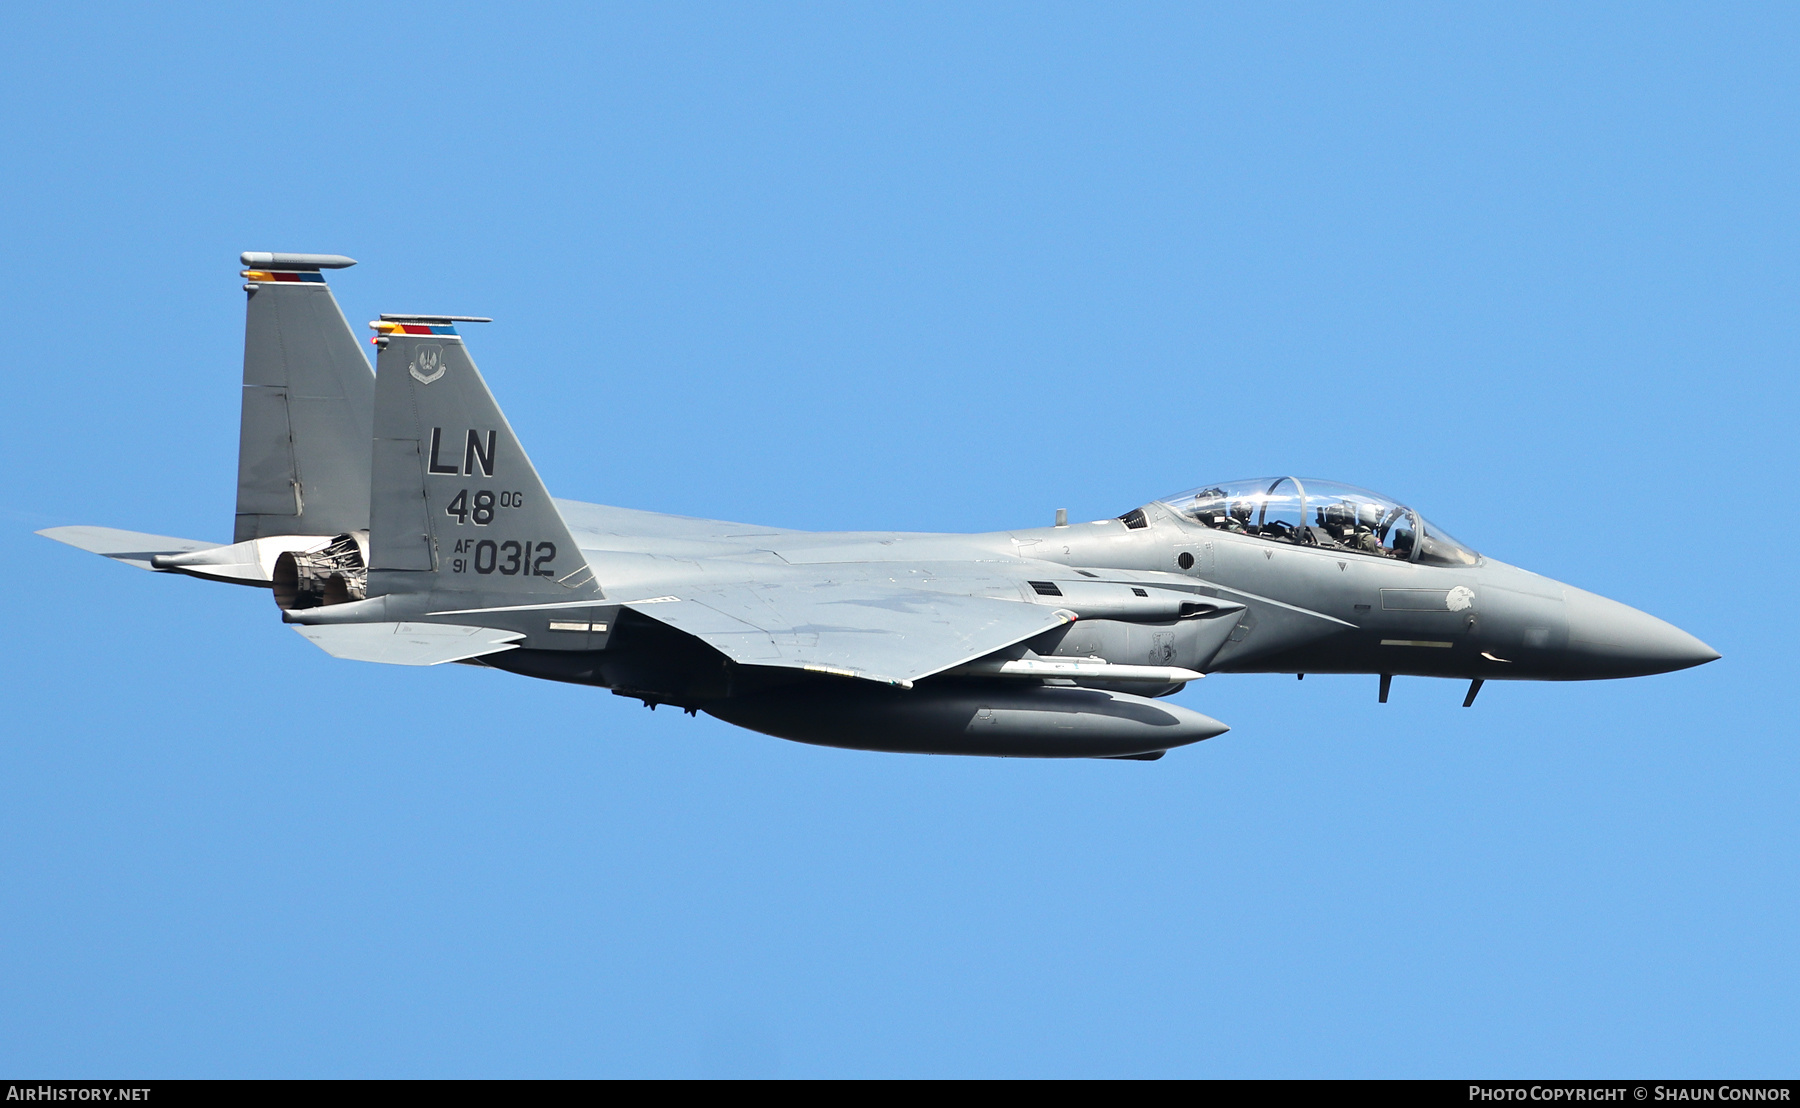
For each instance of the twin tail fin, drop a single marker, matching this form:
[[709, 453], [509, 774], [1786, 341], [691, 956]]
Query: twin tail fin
[[354, 485], [456, 505], [303, 437]]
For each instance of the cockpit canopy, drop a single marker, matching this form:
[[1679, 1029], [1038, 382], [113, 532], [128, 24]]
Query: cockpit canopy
[[1324, 514]]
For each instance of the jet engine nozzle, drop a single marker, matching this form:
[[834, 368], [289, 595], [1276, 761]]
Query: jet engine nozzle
[[337, 574]]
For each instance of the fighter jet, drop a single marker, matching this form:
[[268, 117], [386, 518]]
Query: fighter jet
[[395, 518]]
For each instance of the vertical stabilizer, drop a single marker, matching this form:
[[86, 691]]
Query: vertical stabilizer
[[456, 504], [309, 401]]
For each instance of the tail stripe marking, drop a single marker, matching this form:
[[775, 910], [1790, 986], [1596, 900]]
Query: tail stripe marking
[[386, 328], [265, 275]]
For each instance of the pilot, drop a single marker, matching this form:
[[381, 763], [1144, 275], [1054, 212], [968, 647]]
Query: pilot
[[1361, 533], [1351, 525], [1336, 521], [1240, 518]]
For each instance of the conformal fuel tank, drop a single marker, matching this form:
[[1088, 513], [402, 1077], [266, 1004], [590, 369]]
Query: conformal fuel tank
[[1026, 721]]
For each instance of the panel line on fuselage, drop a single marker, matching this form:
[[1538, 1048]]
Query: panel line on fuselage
[[1283, 604]]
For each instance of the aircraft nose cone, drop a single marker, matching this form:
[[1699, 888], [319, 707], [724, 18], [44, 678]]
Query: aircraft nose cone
[[1610, 639]]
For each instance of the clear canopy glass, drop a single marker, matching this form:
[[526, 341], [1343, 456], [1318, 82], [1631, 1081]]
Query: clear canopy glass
[[1323, 514]]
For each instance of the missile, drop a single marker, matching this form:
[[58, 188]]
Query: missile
[[1075, 669]]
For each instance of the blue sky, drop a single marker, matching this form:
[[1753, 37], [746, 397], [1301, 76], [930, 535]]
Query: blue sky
[[1530, 268]]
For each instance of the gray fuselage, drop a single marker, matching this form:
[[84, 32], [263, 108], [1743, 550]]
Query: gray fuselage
[[1305, 609]]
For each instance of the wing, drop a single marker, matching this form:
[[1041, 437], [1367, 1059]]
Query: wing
[[876, 630]]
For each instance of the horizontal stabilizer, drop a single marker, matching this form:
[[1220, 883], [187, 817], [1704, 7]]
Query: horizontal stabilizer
[[131, 547], [408, 644]]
